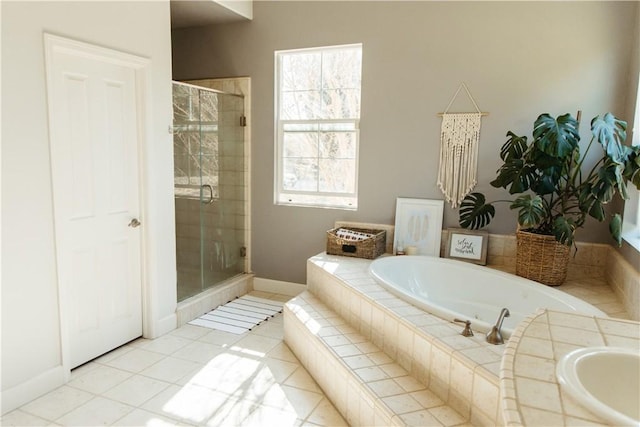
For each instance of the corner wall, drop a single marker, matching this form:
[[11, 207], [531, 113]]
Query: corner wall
[[631, 254], [31, 351], [519, 59]]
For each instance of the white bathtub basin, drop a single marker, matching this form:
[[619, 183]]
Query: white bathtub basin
[[455, 289], [605, 380]]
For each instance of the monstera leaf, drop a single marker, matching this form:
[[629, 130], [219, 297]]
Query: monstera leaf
[[515, 174], [514, 148], [549, 172], [611, 133], [632, 167], [588, 202], [475, 212], [556, 137], [615, 228], [563, 230], [531, 210]]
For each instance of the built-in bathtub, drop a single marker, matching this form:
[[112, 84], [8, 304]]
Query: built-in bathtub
[[453, 289]]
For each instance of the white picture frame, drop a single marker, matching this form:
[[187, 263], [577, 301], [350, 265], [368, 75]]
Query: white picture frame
[[418, 226], [467, 245]]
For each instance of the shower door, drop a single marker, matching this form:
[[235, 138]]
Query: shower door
[[209, 187]]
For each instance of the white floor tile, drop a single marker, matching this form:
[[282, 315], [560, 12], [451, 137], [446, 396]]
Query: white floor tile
[[191, 403], [57, 403], [280, 370], [83, 369], [142, 418], [232, 412], [301, 379], [325, 414], [191, 377], [19, 418], [256, 344], [113, 354], [135, 360], [171, 369], [136, 390], [290, 399], [191, 332], [266, 416], [166, 344], [198, 351], [283, 352], [270, 329], [100, 379], [220, 338], [96, 412], [227, 373], [162, 402]]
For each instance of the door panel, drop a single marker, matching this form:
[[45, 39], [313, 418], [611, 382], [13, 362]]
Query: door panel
[[94, 155]]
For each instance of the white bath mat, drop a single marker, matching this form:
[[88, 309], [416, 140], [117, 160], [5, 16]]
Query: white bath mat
[[240, 315]]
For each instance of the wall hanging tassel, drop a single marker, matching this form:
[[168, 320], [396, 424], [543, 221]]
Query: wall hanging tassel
[[459, 139]]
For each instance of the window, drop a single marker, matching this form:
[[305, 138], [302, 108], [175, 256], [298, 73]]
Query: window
[[317, 120], [631, 223]]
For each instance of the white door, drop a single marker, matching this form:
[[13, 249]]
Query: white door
[[94, 160]]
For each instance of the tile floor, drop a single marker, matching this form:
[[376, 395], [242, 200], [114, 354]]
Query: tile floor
[[192, 376]]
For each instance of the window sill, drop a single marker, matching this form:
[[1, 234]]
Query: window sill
[[317, 206], [631, 235]]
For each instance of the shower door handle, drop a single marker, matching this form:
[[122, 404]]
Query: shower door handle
[[208, 202], [134, 223]]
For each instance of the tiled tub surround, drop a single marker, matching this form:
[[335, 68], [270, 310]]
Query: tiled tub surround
[[462, 372], [531, 395], [367, 386], [597, 273]]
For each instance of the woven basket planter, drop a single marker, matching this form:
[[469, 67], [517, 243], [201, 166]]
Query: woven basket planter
[[369, 248], [541, 258]]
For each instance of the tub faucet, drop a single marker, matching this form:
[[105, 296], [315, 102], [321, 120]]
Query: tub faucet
[[466, 332], [495, 336]]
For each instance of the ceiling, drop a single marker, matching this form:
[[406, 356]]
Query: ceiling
[[196, 13]]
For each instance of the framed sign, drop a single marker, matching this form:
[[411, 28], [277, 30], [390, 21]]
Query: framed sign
[[467, 245], [418, 226]]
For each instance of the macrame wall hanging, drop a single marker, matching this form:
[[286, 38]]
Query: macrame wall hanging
[[459, 138]]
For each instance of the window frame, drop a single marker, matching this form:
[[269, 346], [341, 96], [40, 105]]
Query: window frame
[[323, 199], [631, 217]]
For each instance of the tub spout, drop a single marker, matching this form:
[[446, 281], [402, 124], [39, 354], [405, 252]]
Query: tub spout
[[495, 336]]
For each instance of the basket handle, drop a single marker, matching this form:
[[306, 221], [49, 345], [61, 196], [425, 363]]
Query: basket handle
[[350, 249]]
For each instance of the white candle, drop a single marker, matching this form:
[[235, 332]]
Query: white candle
[[411, 250]]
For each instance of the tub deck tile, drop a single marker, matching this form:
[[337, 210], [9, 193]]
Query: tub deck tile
[[367, 386]]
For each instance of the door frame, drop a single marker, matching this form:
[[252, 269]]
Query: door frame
[[56, 44]]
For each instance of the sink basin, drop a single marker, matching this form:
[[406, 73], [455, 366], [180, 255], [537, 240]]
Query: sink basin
[[605, 380]]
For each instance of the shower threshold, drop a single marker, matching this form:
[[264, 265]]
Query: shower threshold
[[221, 293]]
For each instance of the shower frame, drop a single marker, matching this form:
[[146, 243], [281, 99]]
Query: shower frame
[[238, 88]]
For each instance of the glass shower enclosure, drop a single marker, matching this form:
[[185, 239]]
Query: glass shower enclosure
[[208, 138]]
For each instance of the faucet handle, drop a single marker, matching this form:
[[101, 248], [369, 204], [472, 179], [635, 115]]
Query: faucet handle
[[466, 332]]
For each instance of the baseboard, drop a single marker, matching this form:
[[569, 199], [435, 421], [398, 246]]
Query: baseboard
[[278, 286], [163, 326], [31, 389]]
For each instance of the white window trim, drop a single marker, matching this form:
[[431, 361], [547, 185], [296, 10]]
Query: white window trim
[[279, 164], [278, 138], [631, 218]]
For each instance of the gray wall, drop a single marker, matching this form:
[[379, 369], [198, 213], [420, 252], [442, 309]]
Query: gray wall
[[519, 59]]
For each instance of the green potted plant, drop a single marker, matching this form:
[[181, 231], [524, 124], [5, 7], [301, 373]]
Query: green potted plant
[[554, 190]]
